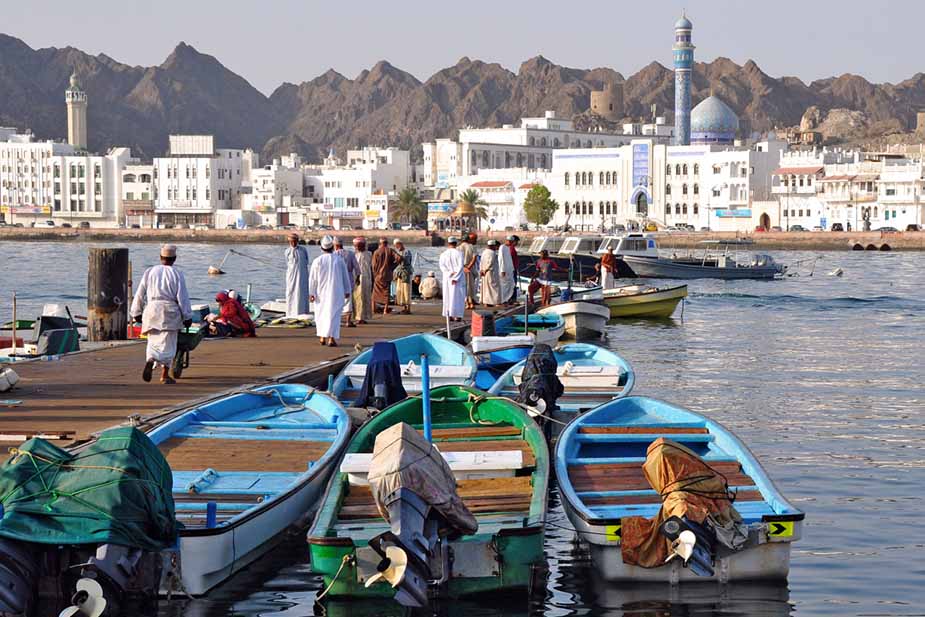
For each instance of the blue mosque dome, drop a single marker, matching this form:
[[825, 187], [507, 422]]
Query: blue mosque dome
[[713, 122], [683, 23]]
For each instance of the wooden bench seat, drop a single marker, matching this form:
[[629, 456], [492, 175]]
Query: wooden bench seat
[[241, 454], [629, 476], [480, 496], [742, 494]]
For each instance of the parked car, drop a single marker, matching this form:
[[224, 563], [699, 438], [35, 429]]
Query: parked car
[[837, 227], [888, 229], [134, 226], [231, 226], [48, 224], [913, 227], [776, 228], [66, 225], [796, 228], [705, 229], [264, 227], [818, 228], [83, 225], [651, 227]]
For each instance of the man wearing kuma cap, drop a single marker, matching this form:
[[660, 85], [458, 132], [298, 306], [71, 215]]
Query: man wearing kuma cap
[[329, 287], [162, 305]]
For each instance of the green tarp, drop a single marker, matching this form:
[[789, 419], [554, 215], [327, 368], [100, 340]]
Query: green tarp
[[116, 490]]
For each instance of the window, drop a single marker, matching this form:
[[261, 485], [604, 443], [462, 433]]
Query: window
[[890, 192], [716, 192], [128, 178], [600, 208], [717, 169], [696, 189], [696, 169], [590, 178], [533, 141], [668, 169], [677, 170], [875, 211], [684, 189], [684, 209], [667, 189], [566, 206], [543, 141], [566, 184], [696, 209], [600, 179], [684, 169], [667, 209]]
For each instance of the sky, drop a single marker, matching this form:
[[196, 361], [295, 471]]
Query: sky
[[269, 42]]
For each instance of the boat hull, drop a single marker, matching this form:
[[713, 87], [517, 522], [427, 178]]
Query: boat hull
[[648, 267], [661, 303], [584, 267], [583, 320]]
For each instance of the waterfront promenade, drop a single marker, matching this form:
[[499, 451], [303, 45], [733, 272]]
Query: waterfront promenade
[[83, 393]]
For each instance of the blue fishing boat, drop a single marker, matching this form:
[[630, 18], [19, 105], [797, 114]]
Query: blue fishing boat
[[607, 470], [493, 364], [517, 330], [450, 364], [246, 468], [591, 375]]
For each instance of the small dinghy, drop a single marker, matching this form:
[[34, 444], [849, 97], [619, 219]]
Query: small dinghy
[[664, 495], [590, 375], [644, 300], [449, 364], [471, 523], [511, 331], [246, 468], [583, 320], [493, 364]]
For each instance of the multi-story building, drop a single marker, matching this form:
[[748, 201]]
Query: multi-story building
[[195, 180], [797, 182], [137, 195], [270, 190], [899, 195]]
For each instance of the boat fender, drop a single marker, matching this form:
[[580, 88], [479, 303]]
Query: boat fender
[[836, 272], [8, 379], [204, 479], [409, 368], [569, 365]]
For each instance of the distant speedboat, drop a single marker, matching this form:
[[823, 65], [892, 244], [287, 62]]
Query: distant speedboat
[[718, 264], [643, 300], [602, 482]]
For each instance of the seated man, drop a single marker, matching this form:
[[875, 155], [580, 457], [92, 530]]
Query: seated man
[[430, 286], [232, 319]]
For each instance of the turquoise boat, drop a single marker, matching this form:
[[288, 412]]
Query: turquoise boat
[[591, 375], [450, 364], [517, 330], [246, 468], [599, 459]]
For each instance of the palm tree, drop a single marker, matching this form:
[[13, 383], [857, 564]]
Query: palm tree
[[409, 206], [471, 206]]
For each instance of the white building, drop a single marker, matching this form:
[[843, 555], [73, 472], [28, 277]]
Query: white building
[[797, 184], [273, 190], [196, 180], [899, 196], [138, 195], [51, 181], [530, 145]]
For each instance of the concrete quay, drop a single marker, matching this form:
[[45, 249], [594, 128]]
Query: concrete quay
[[86, 392]]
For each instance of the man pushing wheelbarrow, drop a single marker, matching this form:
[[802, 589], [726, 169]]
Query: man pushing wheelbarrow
[[162, 305]]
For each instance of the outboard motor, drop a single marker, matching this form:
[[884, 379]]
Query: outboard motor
[[382, 384], [19, 573], [415, 492], [693, 543], [540, 387]]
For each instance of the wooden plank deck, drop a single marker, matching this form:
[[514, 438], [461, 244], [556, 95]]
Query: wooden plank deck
[[192, 454], [87, 392]]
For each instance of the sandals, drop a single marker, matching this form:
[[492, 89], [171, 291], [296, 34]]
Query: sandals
[[148, 369]]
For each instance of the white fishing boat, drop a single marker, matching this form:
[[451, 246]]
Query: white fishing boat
[[511, 332], [582, 319]]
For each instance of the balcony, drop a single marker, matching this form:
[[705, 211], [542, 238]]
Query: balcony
[[793, 190]]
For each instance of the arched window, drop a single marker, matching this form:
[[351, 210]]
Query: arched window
[[684, 169], [543, 161], [128, 178], [875, 211], [145, 178], [684, 209], [566, 206], [555, 142], [486, 158], [533, 141], [696, 209], [543, 141], [677, 170], [684, 189], [566, 184], [600, 208], [590, 178], [667, 209], [667, 189], [677, 208], [608, 208], [613, 177], [668, 169], [607, 177], [520, 159], [587, 143], [696, 189], [696, 169], [600, 179]]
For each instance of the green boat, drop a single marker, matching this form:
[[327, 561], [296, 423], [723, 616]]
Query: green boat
[[508, 502]]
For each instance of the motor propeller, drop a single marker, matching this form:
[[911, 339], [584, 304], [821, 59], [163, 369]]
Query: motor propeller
[[87, 600]]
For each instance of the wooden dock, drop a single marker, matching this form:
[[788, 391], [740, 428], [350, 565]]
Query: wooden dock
[[81, 394]]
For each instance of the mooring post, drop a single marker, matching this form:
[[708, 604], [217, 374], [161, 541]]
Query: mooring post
[[107, 295]]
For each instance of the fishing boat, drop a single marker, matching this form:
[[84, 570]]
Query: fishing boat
[[515, 330], [246, 468], [575, 291], [493, 364], [575, 257], [499, 459], [599, 465], [591, 376], [644, 300], [449, 364], [719, 260], [582, 319]]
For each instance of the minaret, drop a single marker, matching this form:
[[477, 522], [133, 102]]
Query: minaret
[[76, 114], [683, 63]]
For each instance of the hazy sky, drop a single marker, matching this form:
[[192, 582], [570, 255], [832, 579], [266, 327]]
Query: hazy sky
[[272, 41]]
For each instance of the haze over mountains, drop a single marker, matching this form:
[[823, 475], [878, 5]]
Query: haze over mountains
[[193, 92]]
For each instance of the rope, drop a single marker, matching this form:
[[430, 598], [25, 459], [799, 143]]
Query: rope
[[274, 391], [348, 559]]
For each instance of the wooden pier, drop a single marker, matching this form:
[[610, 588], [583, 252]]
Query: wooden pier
[[80, 394]]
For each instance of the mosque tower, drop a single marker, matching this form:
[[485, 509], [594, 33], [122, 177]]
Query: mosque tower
[[683, 63], [76, 114]]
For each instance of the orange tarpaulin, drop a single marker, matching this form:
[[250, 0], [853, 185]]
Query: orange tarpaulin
[[688, 487]]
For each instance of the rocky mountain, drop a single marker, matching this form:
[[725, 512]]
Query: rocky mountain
[[193, 92]]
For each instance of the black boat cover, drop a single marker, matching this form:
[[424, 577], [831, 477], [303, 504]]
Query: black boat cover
[[539, 380], [384, 371]]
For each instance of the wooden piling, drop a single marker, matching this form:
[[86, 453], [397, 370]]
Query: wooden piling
[[107, 295]]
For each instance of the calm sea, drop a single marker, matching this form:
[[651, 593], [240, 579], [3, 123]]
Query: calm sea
[[821, 376]]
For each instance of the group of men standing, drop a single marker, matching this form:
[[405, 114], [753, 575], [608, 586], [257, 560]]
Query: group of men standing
[[470, 278], [346, 285]]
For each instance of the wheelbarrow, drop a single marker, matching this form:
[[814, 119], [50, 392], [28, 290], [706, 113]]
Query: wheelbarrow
[[187, 341]]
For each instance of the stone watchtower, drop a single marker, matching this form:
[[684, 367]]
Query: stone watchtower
[[76, 114], [683, 64], [608, 103]]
